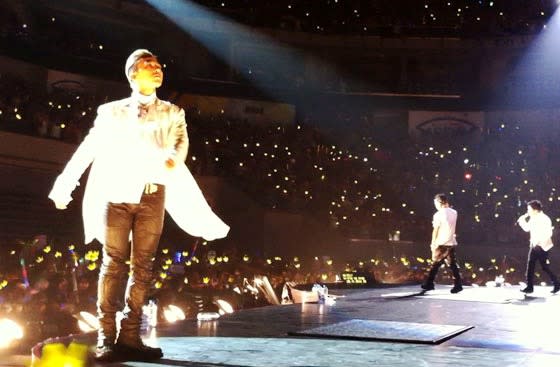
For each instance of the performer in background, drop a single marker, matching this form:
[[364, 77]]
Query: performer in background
[[443, 243], [539, 227], [136, 148]]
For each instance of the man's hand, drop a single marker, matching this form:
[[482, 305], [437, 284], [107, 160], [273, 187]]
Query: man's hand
[[60, 205], [170, 163], [436, 252]]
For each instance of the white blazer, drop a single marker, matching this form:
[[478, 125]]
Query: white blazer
[[125, 153], [540, 230]]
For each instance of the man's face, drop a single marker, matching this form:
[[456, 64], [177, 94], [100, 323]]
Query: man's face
[[531, 211], [437, 204], [147, 73]]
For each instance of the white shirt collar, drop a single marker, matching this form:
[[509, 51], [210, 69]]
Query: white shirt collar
[[143, 99]]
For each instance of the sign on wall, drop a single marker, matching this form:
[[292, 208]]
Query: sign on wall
[[445, 123]]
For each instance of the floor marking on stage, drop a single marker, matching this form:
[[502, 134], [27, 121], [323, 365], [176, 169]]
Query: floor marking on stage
[[407, 332], [402, 294]]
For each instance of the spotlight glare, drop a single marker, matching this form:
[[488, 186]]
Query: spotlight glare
[[225, 306], [11, 332]]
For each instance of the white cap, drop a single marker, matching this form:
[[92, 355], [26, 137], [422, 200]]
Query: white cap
[[133, 59]]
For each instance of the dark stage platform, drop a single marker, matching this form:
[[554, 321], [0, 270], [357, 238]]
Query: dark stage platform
[[508, 329]]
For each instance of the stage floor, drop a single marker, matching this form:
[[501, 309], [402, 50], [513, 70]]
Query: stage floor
[[509, 330]]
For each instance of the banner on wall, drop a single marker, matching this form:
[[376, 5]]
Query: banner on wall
[[445, 123], [61, 80], [240, 109]]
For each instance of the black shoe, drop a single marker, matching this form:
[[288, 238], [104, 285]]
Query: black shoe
[[456, 289], [556, 288], [527, 289], [137, 351], [106, 353], [428, 286]]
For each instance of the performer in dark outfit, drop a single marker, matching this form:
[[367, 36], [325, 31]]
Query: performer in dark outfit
[[443, 243]]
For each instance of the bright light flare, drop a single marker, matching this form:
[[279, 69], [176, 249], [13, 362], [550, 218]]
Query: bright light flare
[[173, 314], [225, 306], [207, 316], [84, 326], [10, 331], [87, 322]]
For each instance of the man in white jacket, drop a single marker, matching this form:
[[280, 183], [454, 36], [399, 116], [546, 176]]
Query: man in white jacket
[[539, 227], [136, 148]]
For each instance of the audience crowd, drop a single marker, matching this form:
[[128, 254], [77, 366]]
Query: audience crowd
[[41, 34], [401, 17], [59, 113], [367, 186], [376, 188]]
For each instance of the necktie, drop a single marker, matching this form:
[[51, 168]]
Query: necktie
[[142, 110]]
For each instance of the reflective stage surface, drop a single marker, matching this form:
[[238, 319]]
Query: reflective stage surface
[[509, 330]]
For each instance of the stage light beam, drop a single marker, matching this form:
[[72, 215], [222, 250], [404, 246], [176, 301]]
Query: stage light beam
[[239, 46]]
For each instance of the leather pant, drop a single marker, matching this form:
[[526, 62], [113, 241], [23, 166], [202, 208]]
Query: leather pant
[[145, 220], [441, 255]]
